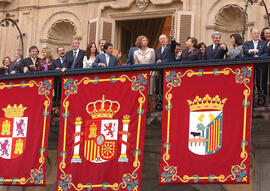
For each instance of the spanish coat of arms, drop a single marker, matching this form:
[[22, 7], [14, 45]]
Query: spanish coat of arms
[[101, 133]]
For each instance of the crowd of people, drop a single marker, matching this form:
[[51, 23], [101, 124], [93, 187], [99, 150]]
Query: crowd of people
[[103, 54]]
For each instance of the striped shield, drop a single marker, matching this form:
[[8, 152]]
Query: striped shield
[[205, 132]]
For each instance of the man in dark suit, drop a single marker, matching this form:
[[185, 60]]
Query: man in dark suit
[[131, 55], [106, 59], [15, 66], [217, 50], [177, 52], [166, 52], [74, 58], [255, 47], [30, 64], [57, 64]]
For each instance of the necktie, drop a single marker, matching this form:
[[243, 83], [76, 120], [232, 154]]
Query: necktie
[[15, 62], [61, 60], [74, 60], [34, 62]]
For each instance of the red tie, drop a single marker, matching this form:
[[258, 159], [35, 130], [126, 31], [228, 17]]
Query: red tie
[[15, 62]]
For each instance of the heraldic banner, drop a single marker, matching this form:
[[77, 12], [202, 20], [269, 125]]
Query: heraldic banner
[[206, 125], [102, 126], [24, 126]]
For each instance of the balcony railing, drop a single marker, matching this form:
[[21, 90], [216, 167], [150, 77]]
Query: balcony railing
[[261, 97]]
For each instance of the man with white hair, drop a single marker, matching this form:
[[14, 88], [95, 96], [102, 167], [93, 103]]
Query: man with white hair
[[217, 50], [15, 66], [166, 52], [255, 47]]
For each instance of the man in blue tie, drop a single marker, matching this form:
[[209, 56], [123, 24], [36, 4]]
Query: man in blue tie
[[74, 58], [57, 64], [106, 59]]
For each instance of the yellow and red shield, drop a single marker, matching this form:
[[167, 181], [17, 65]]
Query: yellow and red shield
[[13, 133], [100, 140]]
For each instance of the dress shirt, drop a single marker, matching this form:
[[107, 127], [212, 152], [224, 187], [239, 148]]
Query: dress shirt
[[107, 59], [255, 43]]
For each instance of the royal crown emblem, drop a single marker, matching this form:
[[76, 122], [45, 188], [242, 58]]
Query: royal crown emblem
[[13, 132], [101, 133], [205, 124]]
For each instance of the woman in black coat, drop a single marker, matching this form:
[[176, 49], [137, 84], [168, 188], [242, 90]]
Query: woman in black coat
[[191, 52]]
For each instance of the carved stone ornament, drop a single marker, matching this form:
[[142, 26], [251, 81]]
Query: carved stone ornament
[[142, 4]]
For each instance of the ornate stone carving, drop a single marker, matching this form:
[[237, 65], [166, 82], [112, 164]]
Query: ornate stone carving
[[142, 4]]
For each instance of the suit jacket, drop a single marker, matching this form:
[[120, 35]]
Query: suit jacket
[[195, 54], [102, 59], [68, 60], [131, 51], [168, 54], [57, 64], [217, 53], [15, 67], [27, 62], [262, 47]]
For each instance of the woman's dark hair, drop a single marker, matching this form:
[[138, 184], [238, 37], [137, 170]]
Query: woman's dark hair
[[200, 45], [238, 39], [262, 33], [88, 49]]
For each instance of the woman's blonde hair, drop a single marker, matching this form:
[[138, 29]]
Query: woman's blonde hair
[[48, 51], [138, 42]]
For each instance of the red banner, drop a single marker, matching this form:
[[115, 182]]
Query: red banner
[[206, 125], [24, 125], [102, 129]]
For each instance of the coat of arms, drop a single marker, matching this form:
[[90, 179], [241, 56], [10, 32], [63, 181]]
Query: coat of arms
[[101, 133], [13, 131], [205, 124]]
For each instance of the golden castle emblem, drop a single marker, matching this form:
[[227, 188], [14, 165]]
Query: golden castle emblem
[[18, 147], [102, 108], [14, 111], [6, 128], [207, 103]]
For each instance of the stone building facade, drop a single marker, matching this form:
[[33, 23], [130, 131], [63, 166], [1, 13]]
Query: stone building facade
[[55, 22]]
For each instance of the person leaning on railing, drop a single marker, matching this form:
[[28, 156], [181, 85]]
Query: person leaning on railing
[[14, 66], [74, 58], [45, 64], [237, 43], [90, 55], [217, 50], [30, 63], [255, 47], [6, 62], [106, 59], [191, 52], [144, 55]]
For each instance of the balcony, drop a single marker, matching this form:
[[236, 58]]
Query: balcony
[[260, 134]]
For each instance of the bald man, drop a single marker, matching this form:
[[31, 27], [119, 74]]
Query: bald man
[[166, 53]]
